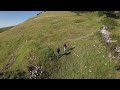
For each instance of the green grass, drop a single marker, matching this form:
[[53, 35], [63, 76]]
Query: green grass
[[25, 43], [5, 29]]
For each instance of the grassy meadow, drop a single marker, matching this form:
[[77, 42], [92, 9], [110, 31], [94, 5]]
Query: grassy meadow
[[29, 42]]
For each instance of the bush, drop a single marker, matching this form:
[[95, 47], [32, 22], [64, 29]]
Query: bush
[[79, 12], [78, 21], [18, 74], [110, 13], [47, 53], [118, 14], [101, 13], [107, 13], [109, 22]]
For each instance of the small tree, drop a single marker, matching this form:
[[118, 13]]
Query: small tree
[[107, 13]]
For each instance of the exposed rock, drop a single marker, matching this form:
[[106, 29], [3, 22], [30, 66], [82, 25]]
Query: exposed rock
[[118, 58], [113, 57], [117, 49], [106, 35], [36, 72]]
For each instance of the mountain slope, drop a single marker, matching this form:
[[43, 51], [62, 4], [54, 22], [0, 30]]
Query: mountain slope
[[5, 29], [25, 44]]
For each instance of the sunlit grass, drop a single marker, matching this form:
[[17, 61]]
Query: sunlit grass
[[89, 58]]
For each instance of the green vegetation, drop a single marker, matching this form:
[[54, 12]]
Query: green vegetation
[[18, 74], [111, 14], [109, 18], [35, 42], [109, 22], [5, 29], [107, 13]]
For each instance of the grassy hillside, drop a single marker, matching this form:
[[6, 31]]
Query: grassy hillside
[[5, 29], [28, 43]]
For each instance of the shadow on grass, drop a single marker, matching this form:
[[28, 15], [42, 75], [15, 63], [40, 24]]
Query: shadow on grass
[[67, 53], [64, 54], [70, 48]]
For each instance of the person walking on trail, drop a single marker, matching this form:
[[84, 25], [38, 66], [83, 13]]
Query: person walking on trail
[[65, 48], [58, 53]]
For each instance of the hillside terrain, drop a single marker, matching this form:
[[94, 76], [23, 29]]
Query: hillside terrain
[[33, 41], [5, 29]]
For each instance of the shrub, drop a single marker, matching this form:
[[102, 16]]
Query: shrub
[[79, 12], [78, 21], [107, 13], [110, 13], [101, 13], [18, 74], [47, 53], [118, 14], [109, 22]]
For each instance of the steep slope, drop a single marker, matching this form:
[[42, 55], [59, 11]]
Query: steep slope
[[27, 43], [5, 29]]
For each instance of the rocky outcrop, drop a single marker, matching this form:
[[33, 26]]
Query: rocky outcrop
[[106, 35], [117, 51], [36, 71]]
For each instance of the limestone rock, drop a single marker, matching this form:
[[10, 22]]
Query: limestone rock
[[35, 71]]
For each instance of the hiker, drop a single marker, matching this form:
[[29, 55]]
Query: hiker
[[58, 53], [65, 48]]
